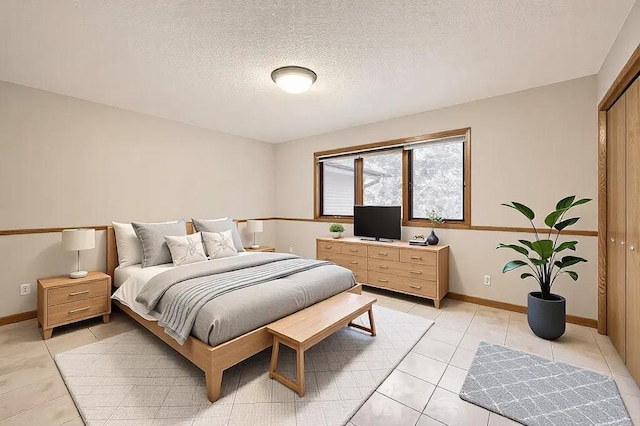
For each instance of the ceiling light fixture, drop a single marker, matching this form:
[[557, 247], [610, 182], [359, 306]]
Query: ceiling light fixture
[[294, 79]]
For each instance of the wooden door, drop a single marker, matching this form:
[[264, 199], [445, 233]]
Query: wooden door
[[633, 230], [616, 224]]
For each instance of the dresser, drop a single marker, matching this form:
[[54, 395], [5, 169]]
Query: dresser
[[64, 300], [397, 266]]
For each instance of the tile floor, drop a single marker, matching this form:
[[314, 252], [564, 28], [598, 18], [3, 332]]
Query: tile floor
[[421, 391]]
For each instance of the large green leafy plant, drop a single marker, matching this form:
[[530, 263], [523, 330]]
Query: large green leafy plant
[[543, 256]]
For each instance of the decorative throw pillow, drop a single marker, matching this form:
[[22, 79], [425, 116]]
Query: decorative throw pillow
[[127, 244], [151, 235], [219, 244], [219, 225], [187, 249]]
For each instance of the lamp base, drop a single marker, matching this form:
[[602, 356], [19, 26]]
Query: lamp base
[[78, 274], [255, 246]]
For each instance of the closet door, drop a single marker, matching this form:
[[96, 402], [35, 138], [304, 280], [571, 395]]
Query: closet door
[[616, 224], [633, 229]]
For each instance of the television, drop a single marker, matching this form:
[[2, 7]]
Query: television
[[377, 222]]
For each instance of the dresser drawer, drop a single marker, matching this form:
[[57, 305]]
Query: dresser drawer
[[353, 249], [73, 311], [351, 262], [328, 247], [72, 293], [418, 257], [409, 270], [385, 253], [403, 284], [360, 274]]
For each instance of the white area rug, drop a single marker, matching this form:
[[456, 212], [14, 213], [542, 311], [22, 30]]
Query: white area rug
[[135, 379]]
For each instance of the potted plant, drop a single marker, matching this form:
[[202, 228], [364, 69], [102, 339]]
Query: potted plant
[[336, 230], [434, 217], [546, 312]]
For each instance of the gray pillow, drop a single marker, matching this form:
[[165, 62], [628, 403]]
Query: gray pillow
[[154, 247], [220, 225]]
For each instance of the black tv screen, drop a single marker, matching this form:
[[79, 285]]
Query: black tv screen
[[377, 222]]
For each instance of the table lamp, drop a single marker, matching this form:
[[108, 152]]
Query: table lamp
[[78, 239], [254, 226]]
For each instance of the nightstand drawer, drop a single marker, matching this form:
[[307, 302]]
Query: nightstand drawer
[[72, 293], [70, 312]]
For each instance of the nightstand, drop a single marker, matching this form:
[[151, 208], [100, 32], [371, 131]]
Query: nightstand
[[64, 300], [261, 248]]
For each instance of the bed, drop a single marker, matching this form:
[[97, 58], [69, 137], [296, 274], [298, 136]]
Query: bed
[[212, 353]]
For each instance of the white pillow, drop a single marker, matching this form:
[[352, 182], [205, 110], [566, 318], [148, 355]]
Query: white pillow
[[128, 245], [219, 244], [186, 249]]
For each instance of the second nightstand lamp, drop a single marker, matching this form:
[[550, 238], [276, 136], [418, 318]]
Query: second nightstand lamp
[[254, 226], [78, 239]]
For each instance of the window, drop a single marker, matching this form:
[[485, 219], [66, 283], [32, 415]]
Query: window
[[338, 187], [437, 180], [422, 173], [382, 179]]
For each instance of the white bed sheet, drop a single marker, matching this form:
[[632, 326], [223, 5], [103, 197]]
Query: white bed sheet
[[130, 280]]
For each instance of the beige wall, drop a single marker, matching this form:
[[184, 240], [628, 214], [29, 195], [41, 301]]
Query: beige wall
[[67, 162], [534, 146], [627, 41]]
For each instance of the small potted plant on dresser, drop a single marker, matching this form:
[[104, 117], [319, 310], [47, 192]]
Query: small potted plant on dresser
[[546, 312], [336, 230], [434, 217]]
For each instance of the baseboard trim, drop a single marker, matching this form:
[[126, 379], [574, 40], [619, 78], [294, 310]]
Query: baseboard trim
[[573, 319], [22, 316]]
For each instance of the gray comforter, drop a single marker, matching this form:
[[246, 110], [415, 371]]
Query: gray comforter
[[232, 313]]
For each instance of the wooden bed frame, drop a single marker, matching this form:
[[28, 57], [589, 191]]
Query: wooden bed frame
[[213, 360]]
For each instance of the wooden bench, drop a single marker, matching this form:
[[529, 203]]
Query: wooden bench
[[305, 328]]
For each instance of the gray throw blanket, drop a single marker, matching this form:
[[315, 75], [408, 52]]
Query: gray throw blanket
[[180, 315]]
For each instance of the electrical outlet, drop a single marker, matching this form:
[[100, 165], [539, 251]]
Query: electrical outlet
[[25, 289], [290, 249], [487, 280]]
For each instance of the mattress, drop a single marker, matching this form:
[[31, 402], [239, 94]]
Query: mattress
[[241, 311]]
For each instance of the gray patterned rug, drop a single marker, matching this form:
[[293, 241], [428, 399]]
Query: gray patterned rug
[[536, 391], [135, 379]]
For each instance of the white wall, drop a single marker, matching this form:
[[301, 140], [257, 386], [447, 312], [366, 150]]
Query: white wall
[[627, 41], [66, 162], [535, 146]]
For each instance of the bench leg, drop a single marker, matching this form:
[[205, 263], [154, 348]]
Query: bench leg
[[214, 384], [300, 371], [372, 322], [372, 325], [298, 385], [274, 357]]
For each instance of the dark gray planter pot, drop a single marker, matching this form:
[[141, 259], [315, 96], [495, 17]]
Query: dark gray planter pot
[[547, 318]]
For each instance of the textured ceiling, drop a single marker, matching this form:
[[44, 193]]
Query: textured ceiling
[[208, 63]]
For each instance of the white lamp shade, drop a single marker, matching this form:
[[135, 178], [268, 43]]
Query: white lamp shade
[[254, 225], [78, 239]]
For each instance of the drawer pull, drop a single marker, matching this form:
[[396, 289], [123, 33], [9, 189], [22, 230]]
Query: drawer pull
[[74, 311], [354, 262], [383, 281], [383, 266], [415, 286], [354, 250], [328, 258], [383, 253], [77, 293], [328, 246], [416, 257], [416, 272]]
